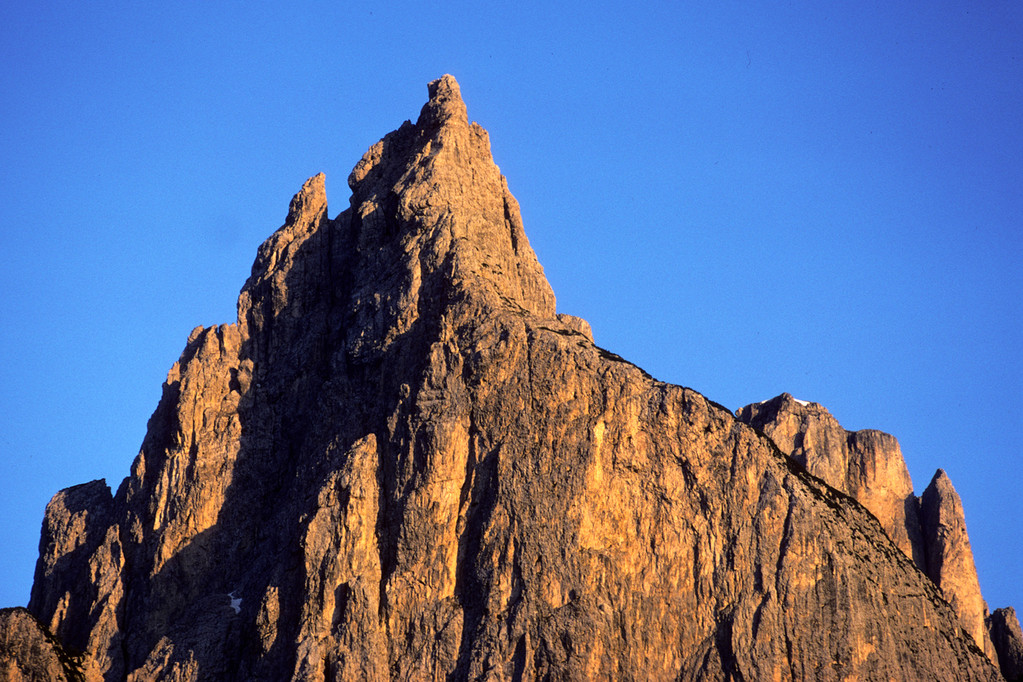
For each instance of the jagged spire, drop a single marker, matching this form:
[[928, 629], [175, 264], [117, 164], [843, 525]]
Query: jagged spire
[[402, 464], [436, 181], [310, 203], [445, 105], [950, 558]]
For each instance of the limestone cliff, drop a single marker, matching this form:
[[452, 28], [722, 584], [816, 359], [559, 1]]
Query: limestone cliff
[[30, 653], [1008, 640], [401, 463], [950, 557], [868, 465]]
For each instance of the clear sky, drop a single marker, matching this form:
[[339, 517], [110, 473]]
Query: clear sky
[[743, 198]]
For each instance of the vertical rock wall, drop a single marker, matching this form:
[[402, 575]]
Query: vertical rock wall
[[401, 463], [868, 466]]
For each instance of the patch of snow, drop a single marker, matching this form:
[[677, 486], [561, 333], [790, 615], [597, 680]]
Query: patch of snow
[[236, 602], [804, 403]]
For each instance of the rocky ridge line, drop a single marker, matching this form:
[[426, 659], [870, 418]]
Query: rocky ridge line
[[402, 463], [868, 465], [28, 652]]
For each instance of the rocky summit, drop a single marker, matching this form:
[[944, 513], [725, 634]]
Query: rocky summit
[[868, 466], [401, 463]]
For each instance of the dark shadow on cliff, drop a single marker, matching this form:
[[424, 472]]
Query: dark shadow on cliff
[[92, 502], [310, 394]]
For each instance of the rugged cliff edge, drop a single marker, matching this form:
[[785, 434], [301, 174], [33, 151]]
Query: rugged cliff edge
[[401, 463], [28, 652], [867, 465], [931, 529], [1008, 639]]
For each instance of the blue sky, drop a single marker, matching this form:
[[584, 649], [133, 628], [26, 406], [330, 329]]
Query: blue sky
[[743, 198]]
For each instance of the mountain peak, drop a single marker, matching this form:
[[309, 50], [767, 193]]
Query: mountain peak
[[431, 195], [310, 202], [950, 557], [445, 104], [866, 465], [402, 464]]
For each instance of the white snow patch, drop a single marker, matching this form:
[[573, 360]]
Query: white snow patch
[[236, 602], [804, 403]]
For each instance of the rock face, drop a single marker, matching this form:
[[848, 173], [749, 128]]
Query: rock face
[[1008, 639], [402, 463], [28, 653], [78, 580], [950, 557], [868, 466]]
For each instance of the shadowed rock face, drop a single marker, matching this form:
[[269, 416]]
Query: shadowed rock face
[[950, 557], [401, 463], [78, 587], [1008, 639], [29, 653]]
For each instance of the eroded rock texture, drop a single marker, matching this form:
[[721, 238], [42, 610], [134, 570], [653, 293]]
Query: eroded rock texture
[[950, 557], [868, 466], [401, 463], [29, 653], [78, 588], [1008, 640]]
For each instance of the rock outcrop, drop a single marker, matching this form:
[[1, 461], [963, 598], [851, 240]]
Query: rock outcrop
[[78, 579], [868, 465], [1008, 640], [950, 557], [29, 653], [402, 463]]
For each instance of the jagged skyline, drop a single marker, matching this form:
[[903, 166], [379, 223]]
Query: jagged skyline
[[402, 463], [745, 204]]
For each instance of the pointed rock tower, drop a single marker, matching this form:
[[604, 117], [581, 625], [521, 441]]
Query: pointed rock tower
[[950, 557], [868, 466], [401, 463]]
